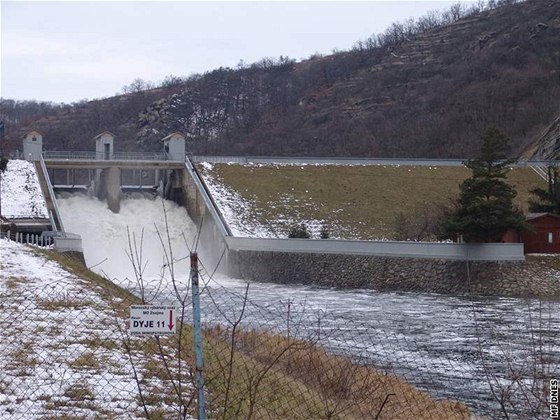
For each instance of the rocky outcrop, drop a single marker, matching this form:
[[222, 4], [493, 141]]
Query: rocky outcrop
[[547, 144]]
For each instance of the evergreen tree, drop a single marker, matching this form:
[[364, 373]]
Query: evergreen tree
[[485, 207], [547, 201]]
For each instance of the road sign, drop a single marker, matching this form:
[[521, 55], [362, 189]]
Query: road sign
[[152, 320]]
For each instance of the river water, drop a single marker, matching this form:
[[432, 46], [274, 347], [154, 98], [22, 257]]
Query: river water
[[443, 344]]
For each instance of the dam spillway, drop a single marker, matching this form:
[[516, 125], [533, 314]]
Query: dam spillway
[[106, 235]]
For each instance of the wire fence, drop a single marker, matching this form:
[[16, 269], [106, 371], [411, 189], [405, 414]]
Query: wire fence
[[66, 351]]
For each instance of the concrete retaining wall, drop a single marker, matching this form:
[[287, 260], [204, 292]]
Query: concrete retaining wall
[[492, 278], [202, 210], [426, 250], [68, 243]]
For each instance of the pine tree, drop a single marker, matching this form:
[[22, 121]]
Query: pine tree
[[485, 207], [547, 201]]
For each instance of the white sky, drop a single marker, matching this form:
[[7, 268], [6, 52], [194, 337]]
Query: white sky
[[65, 51]]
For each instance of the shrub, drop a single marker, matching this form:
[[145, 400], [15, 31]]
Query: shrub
[[299, 231]]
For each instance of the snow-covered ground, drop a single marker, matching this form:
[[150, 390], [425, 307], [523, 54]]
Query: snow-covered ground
[[241, 215], [61, 351], [21, 194]]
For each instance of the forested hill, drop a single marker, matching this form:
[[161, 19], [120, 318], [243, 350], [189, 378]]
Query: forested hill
[[427, 88]]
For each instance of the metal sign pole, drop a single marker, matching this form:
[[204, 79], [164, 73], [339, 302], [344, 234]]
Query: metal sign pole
[[197, 335]]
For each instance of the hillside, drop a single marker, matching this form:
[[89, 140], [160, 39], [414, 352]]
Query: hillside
[[429, 91], [352, 202]]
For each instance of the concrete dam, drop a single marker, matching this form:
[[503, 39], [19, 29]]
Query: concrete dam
[[379, 265]]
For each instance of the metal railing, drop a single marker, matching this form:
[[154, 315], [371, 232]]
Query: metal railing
[[295, 160], [88, 155], [60, 225]]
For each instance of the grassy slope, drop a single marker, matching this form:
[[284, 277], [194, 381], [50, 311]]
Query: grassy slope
[[355, 201]]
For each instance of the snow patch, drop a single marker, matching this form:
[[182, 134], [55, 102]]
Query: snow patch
[[21, 195]]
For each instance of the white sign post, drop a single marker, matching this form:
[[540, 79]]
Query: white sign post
[[152, 320]]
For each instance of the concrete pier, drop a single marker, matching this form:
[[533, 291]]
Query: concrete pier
[[113, 188]]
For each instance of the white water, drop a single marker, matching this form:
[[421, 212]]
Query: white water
[[106, 235], [431, 340]]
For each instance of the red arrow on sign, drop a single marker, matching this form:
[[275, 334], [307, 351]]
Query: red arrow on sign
[[170, 319]]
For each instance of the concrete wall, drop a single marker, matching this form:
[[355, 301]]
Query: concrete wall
[[213, 247], [113, 188], [426, 250], [70, 242], [493, 278]]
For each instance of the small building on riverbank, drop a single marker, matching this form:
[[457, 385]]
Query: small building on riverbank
[[545, 238]]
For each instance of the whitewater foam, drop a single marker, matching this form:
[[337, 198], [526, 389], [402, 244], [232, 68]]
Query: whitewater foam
[[107, 237]]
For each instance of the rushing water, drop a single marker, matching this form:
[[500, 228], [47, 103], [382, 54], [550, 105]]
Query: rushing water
[[440, 343]]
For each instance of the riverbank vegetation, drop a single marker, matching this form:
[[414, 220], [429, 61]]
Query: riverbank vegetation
[[257, 374]]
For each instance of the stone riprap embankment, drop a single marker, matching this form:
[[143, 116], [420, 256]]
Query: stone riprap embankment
[[533, 278]]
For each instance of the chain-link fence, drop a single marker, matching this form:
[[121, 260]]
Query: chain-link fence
[[66, 351]]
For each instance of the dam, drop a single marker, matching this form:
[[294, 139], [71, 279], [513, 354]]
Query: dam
[[426, 338], [171, 174]]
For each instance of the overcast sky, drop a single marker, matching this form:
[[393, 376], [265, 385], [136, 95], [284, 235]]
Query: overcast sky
[[66, 51]]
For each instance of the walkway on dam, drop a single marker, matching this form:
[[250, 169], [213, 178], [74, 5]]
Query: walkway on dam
[[125, 160]]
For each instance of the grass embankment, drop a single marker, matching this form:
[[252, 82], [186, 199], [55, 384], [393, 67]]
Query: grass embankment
[[358, 202], [260, 375]]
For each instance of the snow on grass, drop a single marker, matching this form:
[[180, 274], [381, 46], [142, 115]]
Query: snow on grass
[[61, 351], [247, 218], [21, 193], [236, 210], [242, 216], [352, 202]]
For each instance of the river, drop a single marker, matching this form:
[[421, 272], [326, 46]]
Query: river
[[444, 344]]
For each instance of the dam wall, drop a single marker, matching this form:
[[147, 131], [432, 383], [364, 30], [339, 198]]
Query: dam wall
[[204, 212], [446, 268]]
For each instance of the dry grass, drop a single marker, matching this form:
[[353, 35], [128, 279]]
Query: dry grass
[[86, 361], [356, 201], [62, 302], [271, 376], [340, 388]]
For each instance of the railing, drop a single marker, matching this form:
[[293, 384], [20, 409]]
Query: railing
[[27, 238], [85, 155], [50, 190], [163, 156], [220, 159], [352, 161], [68, 155]]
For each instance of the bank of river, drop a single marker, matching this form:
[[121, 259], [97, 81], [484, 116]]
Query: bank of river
[[444, 344]]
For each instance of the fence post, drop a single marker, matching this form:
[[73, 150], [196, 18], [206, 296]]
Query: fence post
[[197, 335]]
